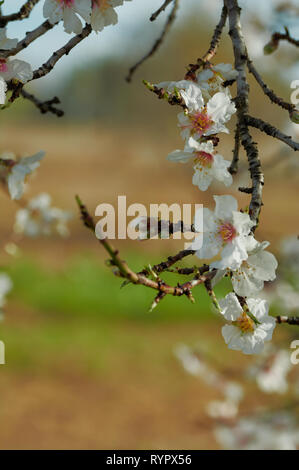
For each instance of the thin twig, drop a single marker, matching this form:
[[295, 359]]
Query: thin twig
[[288, 320], [28, 39], [140, 278], [44, 106], [162, 8], [57, 55], [192, 69], [24, 12], [277, 37], [157, 43], [271, 131], [268, 92]]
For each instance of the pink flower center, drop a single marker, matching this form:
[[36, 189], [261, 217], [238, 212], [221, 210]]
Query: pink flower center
[[205, 159], [200, 122], [3, 65], [227, 232], [67, 3]]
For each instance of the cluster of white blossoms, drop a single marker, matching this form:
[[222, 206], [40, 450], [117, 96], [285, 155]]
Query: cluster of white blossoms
[[37, 217], [97, 13], [40, 218], [226, 232], [262, 428], [11, 69], [13, 171]]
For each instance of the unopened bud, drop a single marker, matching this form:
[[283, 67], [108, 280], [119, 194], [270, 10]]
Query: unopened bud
[[294, 115], [270, 47]]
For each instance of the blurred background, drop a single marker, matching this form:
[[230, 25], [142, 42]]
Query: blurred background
[[87, 365]]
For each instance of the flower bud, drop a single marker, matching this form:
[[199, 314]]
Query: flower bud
[[270, 47], [294, 115]]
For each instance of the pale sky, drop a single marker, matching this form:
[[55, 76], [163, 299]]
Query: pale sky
[[114, 38]]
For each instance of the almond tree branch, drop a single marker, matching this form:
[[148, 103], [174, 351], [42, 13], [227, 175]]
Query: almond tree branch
[[158, 41], [162, 8], [190, 75], [140, 278], [268, 92], [235, 161], [44, 106], [29, 38], [288, 320], [24, 12], [277, 37], [65, 50], [271, 131], [240, 54]]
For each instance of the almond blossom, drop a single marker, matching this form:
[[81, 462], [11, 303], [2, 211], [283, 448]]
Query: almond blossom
[[15, 172], [225, 230], [11, 68], [204, 119], [40, 218], [208, 163], [68, 11], [271, 378], [260, 266], [5, 43], [212, 78], [103, 13], [243, 333]]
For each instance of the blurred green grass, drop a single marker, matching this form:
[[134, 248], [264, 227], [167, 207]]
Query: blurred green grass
[[78, 318], [87, 287]]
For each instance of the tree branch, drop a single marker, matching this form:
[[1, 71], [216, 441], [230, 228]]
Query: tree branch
[[44, 106], [250, 147], [24, 12], [29, 38], [268, 92], [162, 8], [158, 41], [65, 50], [140, 278], [271, 131], [190, 75]]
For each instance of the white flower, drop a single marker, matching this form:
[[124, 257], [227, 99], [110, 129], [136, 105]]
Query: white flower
[[185, 85], [212, 78], [204, 119], [16, 172], [225, 230], [243, 334], [208, 163], [103, 13], [271, 378], [39, 218], [260, 266], [68, 11], [5, 43], [15, 68], [5, 287]]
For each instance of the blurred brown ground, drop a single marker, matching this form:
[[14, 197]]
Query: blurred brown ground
[[134, 403]]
